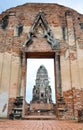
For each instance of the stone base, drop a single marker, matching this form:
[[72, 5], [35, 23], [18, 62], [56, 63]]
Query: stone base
[[41, 106], [41, 109]]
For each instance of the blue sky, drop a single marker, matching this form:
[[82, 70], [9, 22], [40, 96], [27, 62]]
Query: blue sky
[[74, 4]]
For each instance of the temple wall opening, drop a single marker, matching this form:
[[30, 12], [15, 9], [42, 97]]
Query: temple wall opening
[[42, 31]]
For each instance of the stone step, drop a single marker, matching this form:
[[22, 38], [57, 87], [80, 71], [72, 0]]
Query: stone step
[[39, 117], [17, 109], [15, 116]]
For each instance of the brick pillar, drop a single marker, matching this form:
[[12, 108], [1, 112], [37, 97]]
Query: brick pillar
[[58, 74], [23, 65], [23, 80], [70, 28]]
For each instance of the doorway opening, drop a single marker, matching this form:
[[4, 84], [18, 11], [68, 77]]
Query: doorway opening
[[42, 105]]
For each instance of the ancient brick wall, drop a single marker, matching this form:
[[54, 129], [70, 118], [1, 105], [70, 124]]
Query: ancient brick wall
[[67, 27]]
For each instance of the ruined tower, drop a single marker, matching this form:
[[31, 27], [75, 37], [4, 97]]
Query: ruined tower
[[42, 91], [42, 94]]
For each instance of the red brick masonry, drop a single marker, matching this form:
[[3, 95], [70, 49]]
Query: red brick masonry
[[39, 125]]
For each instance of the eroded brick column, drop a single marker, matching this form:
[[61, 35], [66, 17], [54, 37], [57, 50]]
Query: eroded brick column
[[23, 79], [58, 75]]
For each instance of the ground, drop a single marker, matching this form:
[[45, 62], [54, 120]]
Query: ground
[[39, 125]]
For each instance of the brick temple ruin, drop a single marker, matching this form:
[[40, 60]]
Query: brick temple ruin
[[41, 103], [41, 31]]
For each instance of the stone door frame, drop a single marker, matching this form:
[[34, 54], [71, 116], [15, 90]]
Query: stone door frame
[[57, 75]]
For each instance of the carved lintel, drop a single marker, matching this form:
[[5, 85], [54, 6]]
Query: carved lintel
[[40, 21]]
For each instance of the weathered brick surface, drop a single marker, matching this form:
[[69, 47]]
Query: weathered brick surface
[[11, 105], [74, 102], [65, 25]]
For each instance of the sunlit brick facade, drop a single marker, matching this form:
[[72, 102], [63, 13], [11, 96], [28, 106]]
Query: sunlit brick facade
[[41, 31]]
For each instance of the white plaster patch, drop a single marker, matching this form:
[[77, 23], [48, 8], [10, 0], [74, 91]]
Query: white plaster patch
[[26, 29], [3, 104]]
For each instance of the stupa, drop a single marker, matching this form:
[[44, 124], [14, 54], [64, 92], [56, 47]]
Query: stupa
[[42, 94]]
